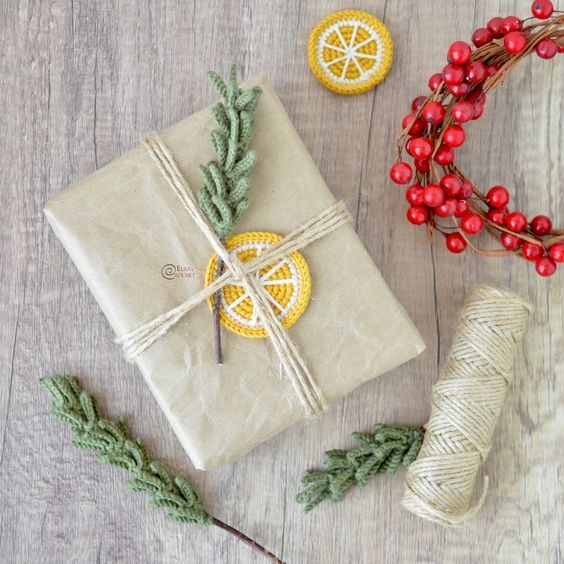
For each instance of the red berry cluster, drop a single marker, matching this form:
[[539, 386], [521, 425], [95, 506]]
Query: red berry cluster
[[433, 130]]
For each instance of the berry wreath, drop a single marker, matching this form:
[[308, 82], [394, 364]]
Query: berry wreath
[[433, 130]]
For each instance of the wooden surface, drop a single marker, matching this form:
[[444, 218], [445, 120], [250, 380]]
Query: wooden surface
[[80, 82]]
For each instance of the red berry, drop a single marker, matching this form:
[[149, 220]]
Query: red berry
[[516, 221], [476, 72], [471, 223], [467, 189], [561, 48], [418, 102], [557, 251], [459, 90], [451, 185], [482, 36], [461, 208], [545, 266], [433, 112], [422, 165], [421, 147], [447, 208], [498, 197], [462, 111], [455, 243], [477, 96], [401, 173], [515, 42], [511, 23], [478, 111], [509, 241], [417, 214], [417, 126], [435, 81], [444, 155], [454, 136], [494, 25], [453, 74], [459, 53], [531, 251], [433, 195], [414, 195], [542, 9], [497, 216], [492, 70], [541, 225], [546, 49]]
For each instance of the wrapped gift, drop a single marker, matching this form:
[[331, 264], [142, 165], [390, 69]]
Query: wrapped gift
[[334, 324]]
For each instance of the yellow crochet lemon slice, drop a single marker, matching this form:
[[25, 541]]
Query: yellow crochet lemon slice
[[350, 52], [286, 281]]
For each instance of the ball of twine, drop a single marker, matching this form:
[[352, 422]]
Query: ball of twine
[[467, 401]]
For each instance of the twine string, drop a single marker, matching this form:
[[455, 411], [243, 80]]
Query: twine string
[[295, 367], [466, 405]]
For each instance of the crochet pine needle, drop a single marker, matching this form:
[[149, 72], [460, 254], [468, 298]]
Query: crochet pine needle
[[223, 196], [113, 445]]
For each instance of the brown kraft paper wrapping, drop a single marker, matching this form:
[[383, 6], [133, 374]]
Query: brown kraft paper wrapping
[[122, 225]]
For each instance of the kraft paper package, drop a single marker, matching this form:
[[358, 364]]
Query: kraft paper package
[[141, 254]]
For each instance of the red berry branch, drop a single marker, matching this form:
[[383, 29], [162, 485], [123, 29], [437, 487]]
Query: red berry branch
[[434, 130]]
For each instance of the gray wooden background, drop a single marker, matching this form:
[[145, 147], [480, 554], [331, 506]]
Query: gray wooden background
[[80, 82]]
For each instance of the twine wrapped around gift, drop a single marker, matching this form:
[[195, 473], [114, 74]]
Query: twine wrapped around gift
[[443, 458], [295, 367], [466, 404]]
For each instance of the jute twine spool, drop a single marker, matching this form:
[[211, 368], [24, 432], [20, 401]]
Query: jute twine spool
[[466, 404]]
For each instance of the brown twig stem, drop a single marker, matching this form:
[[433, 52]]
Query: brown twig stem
[[247, 540], [216, 307]]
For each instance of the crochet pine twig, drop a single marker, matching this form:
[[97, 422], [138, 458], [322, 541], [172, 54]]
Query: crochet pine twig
[[223, 196], [113, 445], [382, 453]]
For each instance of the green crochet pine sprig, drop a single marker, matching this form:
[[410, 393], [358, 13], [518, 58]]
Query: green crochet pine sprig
[[223, 196], [383, 451], [114, 445]]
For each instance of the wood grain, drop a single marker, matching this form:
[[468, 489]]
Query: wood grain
[[80, 82]]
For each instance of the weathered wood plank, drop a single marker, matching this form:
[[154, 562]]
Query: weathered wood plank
[[80, 82]]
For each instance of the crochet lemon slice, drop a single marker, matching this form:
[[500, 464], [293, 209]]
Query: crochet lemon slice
[[286, 281], [350, 52]]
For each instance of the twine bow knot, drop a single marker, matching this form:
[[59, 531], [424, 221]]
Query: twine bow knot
[[295, 367]]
